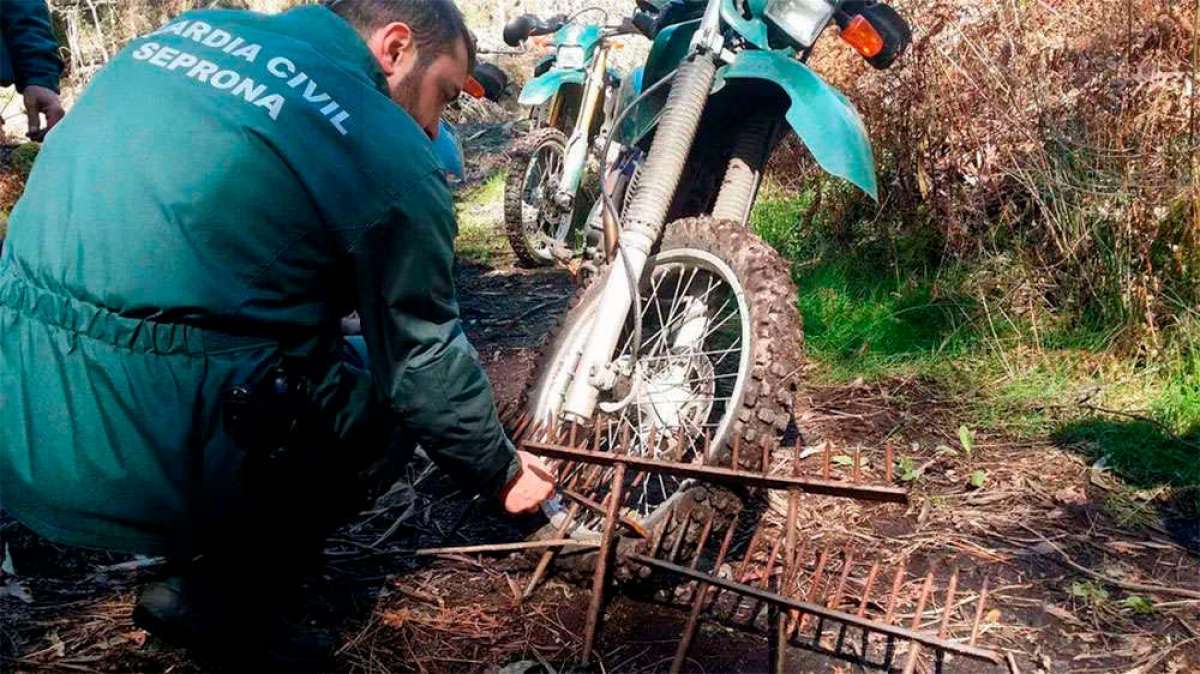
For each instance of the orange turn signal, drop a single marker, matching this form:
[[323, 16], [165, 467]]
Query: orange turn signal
[[861, 35], [473, 88]]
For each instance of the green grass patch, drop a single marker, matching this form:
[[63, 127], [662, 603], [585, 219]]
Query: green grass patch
[[480, 212], [878, 302]]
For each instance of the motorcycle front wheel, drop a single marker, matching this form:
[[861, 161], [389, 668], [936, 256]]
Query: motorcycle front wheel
[[718, 363]]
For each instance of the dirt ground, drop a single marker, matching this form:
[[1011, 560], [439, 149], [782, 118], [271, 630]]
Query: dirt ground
[[1082, 578]]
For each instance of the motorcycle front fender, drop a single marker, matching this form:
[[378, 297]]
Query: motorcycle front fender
[[824, 119], [543, 87]]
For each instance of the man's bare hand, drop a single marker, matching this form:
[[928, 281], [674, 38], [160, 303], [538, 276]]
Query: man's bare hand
[[41, 101], [533, 485]]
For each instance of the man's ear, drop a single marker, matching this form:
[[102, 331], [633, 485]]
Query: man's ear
[[394, 47]]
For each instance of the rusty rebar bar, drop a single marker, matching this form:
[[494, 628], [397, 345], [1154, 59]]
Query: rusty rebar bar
[[814, 585], [914, 653], [897, 582], [628, 522], [950, 592], [548, 556], [687, 523], [847, 565], [816, 609], [862, 604], [519, 430], [600, 578], [983, 595], [504, 547], [703, 590], [889, 460], [725, 475], [708, 525]]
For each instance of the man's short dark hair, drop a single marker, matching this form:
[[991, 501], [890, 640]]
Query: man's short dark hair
[[437, 25]]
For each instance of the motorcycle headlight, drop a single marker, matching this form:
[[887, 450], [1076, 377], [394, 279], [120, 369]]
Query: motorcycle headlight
[[569, 57], [803, 20]]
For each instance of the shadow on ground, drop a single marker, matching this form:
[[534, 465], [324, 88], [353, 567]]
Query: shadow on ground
[[1160, 471]]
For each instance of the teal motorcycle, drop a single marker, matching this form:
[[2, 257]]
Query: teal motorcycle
[[571, 94], [688, 343]]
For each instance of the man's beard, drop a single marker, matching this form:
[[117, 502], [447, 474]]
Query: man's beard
[[407, 92]]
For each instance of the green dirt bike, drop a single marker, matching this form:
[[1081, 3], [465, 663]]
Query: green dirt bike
[[688, 343], [572, 95]]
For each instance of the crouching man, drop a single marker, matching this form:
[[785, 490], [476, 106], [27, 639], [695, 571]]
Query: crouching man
[[172, 376]]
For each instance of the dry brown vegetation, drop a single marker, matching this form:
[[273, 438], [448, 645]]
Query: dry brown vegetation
[[1060, 135]]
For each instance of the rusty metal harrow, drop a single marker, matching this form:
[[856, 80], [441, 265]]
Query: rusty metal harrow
[[826, 599]]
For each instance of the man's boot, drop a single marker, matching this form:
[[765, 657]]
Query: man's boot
[[232, 620]]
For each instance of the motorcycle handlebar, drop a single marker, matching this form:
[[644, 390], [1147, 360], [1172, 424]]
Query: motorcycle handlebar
[[525, 26]]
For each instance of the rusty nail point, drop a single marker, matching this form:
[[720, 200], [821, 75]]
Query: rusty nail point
[[950, 592], [983, 595]]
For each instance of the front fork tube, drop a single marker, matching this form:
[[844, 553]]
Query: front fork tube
[[644, 223], [575, 158]]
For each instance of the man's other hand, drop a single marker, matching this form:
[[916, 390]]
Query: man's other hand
[[42, 101], [533, 485]]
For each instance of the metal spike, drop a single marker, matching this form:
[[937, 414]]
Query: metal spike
[[914, 653], [827, 462], [950, 591], [708, 447], [770, 570], [573, 437], [897, 581], [543, 564], [766, 459], [924, 597], [687, 523], [724, 550], [857, 464], [502, 412], [751, 548], [793, 582], [522, 422], [847, 565], [983, 595], [862, 605], [889, 460], [708, 525], [600, 578], [815, 584], [656, 539], [532, 432], [703, 591]]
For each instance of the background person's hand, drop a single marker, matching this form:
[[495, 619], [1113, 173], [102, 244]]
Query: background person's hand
[[533, 485], [41, 101]]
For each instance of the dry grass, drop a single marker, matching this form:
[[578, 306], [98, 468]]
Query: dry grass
[[1061, 134]]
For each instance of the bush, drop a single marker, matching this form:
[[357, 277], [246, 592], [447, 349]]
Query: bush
[[1060, 136]]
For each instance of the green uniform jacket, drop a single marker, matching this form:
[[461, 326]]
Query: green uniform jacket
[[28, 51], [225, 190]]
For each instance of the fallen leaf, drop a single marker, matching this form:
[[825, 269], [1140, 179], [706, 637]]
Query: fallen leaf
[[1062, 614]]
